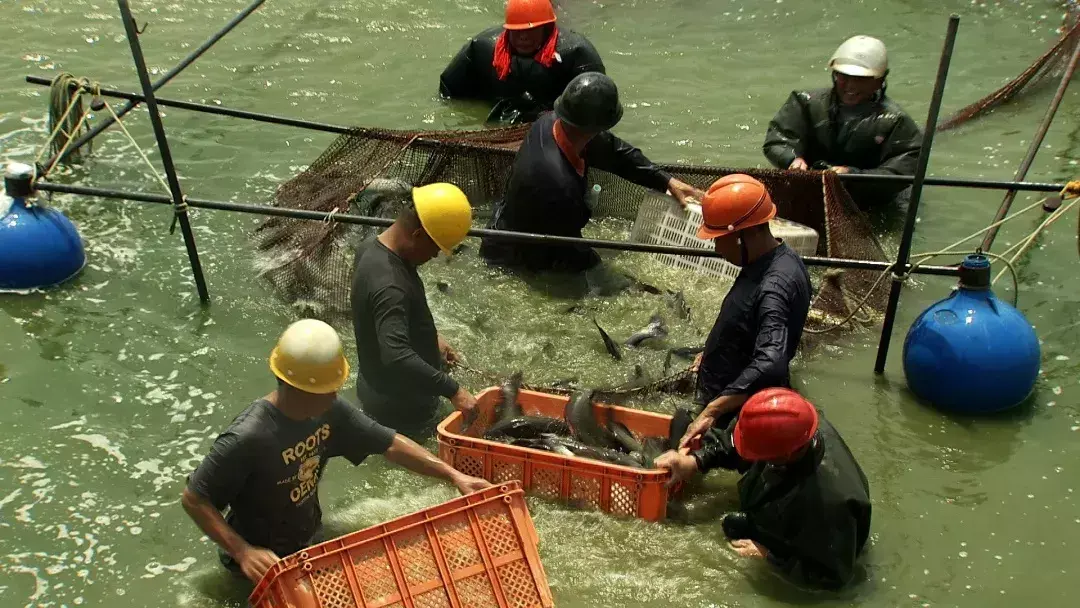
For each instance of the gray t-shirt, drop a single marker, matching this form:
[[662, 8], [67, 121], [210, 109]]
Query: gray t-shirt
[[266, 468]]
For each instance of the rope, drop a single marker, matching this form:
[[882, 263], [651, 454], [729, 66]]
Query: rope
[[1024, 245], [1072, 188], [65, 92]]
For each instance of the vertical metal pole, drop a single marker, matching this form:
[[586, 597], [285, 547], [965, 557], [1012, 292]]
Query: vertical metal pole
[[901, 267], [179, 206], [1033, 149], [165, 78]]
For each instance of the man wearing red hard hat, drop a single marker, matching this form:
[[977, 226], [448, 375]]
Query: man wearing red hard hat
[[761, 319], [804, 503], [522, 66]]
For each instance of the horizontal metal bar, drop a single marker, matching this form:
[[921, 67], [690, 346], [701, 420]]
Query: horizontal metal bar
[[504, 235], [338, 129]]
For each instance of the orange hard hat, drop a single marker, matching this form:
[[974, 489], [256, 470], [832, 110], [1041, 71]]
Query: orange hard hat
[[734, 202], [527, 14], [774, 423]]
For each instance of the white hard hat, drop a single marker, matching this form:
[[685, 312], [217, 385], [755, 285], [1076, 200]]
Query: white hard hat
[[309, 356], [860, 56]]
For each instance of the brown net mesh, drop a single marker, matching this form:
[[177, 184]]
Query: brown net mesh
[[309, 263], [1051, 63]]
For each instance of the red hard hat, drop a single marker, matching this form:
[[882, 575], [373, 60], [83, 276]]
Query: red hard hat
[[773, 424], [734, 202], [527, 14]]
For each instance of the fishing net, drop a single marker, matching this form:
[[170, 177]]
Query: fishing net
[[1050, 64], [309, 263]]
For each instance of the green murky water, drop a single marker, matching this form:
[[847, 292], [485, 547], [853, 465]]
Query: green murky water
[[113, 386]]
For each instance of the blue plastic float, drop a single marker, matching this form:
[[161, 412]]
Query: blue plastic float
[[972, 353], [39, 246]]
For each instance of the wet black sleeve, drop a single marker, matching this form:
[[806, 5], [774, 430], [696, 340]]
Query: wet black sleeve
[[900, 152], [457, 79], [611, 154], [769, 367], [363, 436], [223, 471], [787, 134], [389, 311], [587, 59], [717, 450]]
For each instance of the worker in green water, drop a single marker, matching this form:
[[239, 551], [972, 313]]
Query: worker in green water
[[546, 191], [522, 66], [851, 127], [804, 503], [400, 377], [265, 468]]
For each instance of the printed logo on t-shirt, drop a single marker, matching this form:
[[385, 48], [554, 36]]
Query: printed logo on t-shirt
[[307, 446], [307, 478]]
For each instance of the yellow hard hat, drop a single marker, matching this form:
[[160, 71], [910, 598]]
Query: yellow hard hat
[[308, 356], [444, 212]]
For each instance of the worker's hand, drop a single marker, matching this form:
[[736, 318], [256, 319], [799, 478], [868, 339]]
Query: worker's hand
[[682, 465], [683, 191], [467, 484], [748, 548], [798, 165], [700, 424], [464, 402], [697, 362], [840, 169], [448, 353], [255, 561]]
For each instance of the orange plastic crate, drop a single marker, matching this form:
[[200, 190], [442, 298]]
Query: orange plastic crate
[[589, 483], [477, 551]]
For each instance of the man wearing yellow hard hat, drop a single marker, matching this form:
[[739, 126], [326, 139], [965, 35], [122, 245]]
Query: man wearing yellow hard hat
[[400, 355], [265, 468]]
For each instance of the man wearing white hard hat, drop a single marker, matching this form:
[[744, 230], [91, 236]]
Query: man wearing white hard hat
[[851, 127], [265, 468]]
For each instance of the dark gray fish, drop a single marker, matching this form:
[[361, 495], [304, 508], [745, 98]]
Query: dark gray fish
[[655, 329], [578, 448], [442, 286], [652, 448], [565, 382], [527, 427], [679, 423], [509, 407], [535, 443], [626, 439], [609, 344], [554, 444], [678, 304], [462, 248], [687, 352], [582, 420]]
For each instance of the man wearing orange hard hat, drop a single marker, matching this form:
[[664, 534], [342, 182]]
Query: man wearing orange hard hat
[[265, 468], [804, 503], [761, 319], [522, 66]]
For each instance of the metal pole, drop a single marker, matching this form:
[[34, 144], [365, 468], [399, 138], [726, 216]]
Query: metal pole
[[184, 63], [179, 206], [499, 235], [420, 141], [902, 264], [1033, 149]]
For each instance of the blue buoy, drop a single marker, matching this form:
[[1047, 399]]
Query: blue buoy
[[39, 247], [971, 353]]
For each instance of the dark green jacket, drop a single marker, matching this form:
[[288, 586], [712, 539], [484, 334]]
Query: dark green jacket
[[877, 138]]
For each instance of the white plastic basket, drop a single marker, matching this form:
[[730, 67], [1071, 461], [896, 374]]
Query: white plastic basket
[[660, 221]]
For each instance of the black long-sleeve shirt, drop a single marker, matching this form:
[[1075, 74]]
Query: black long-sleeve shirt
[[546, 195], [813, 515], [877, 137], [758, 329], [470, 74], [398, 360]]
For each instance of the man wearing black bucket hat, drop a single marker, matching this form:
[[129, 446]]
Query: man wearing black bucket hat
[[547, 189]]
